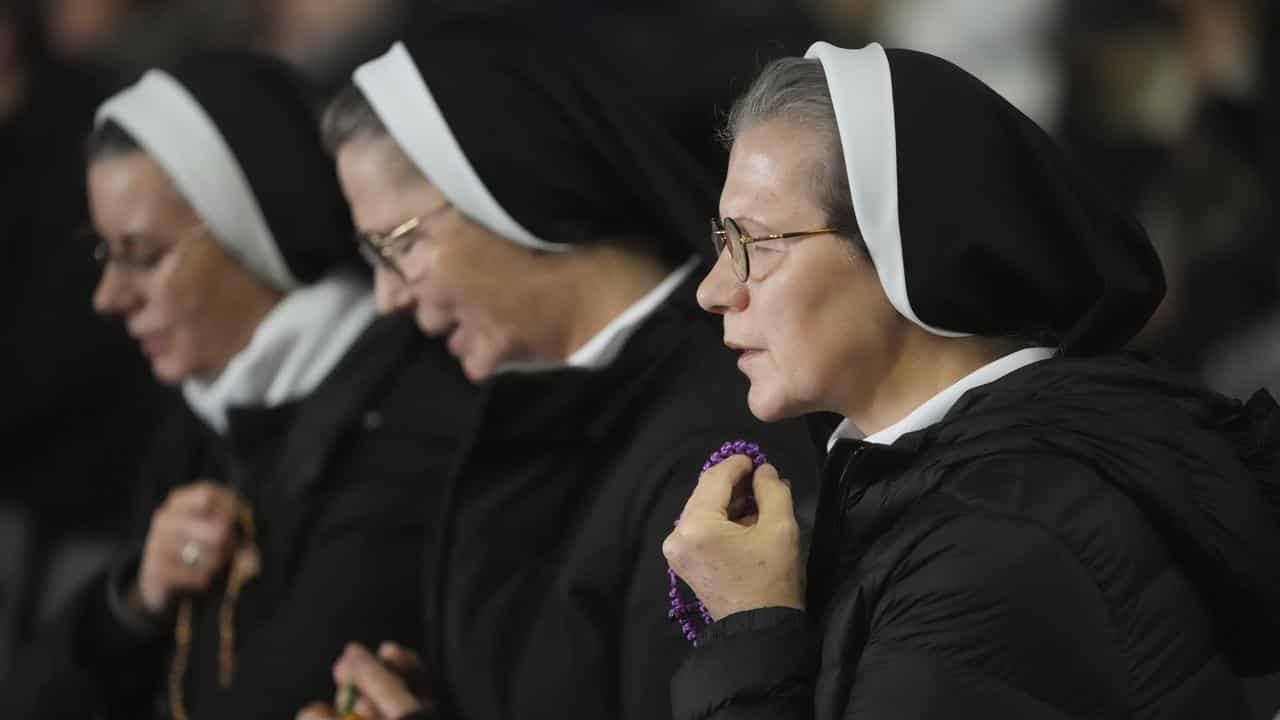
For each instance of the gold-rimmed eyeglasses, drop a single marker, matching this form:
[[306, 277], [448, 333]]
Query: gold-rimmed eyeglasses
[[387, 249], [727, 232], [133, 259]]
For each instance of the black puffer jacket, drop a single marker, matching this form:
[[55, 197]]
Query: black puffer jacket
[[1082, 538]]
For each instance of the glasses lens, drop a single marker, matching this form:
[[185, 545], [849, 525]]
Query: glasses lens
[[737, 251]]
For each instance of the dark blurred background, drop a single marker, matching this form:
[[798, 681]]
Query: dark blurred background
[[1168, 103]]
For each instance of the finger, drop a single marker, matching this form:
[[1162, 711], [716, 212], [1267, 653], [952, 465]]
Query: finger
[[211, 533], [343, 674], [379, 685], [399, 658], [209, 558], [366, 710], [715, 486], [317, 711], [205, 498], [176, 576], [773, 496]]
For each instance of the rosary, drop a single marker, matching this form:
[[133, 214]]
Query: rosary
[[688, 612]]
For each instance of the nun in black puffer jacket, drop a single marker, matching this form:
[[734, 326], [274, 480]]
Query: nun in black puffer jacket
[[1015, 520], [291, 496]]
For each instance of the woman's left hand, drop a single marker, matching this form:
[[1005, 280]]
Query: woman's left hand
[[737, 564]]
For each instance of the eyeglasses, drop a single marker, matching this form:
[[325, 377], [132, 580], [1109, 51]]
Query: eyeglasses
[[727, 232], [134, 262], [387, 249]]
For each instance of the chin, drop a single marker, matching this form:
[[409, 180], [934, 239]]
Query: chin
[[168, 372], [477, 368], [768, 406]]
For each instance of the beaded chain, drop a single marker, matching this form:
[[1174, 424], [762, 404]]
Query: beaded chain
[[687, 612], [246, 563]]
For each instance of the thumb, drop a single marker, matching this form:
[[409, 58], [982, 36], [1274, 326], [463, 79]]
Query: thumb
[[773, 494], [399, 658]]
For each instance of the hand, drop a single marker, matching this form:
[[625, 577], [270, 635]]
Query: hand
[[737, 564], [389, 686], [189, 543], [1218, 42]]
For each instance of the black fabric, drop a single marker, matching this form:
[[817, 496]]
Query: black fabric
[[551, 597], [264, 111], [79, 403], [343, 484], [1001, 235], [528, 103], [1082, 538]]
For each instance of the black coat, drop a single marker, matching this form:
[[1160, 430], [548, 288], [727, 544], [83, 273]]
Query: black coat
[[550, 600], [1082, 538], [341, 483]]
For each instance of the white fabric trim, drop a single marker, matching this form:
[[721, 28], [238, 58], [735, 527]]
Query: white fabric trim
[[292, 351], [180, 136], [398, 94], [861, 89], [605, 346], [936, 407]]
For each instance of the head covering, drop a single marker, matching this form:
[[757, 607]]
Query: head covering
[[237, 136], [976, 222], [527, 141]]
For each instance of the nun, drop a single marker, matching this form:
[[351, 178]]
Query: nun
[[521, 209], [1015, 519], [284, 509]]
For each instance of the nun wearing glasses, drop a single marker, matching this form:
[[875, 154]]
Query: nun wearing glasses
[[1014, 520], [523, 211], [285, 508]]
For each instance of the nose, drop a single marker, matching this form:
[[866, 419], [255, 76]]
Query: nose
[[720, 292], [116, 292], [390, 293]]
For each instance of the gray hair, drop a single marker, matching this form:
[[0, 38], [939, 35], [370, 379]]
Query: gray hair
[[795, 90], [350, 117], [347, 117], [109, 140]]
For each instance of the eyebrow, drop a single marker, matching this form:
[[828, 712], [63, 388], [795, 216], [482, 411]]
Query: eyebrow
[[135, 241]]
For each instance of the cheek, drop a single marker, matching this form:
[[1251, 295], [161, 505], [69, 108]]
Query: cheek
[[203, 314]]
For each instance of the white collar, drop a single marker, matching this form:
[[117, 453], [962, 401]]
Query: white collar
[[600, 350], [291, 352], [936, 407], [603, 347]]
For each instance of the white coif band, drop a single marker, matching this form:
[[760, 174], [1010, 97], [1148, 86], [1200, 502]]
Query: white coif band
[[167, 121], [400, 97], [862, 95]]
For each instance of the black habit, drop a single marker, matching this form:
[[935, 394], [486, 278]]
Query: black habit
[[1085, 536], [342, 484], [341, 470], [550, 596]]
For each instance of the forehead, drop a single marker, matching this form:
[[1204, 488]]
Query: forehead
[[381, 185], [772, 168], [131, 193]]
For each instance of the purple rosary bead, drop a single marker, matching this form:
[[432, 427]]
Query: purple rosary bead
[[685, 612]]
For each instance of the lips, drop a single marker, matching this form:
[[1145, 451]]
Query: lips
[[153, 344], [454, 341], [745, 354]]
